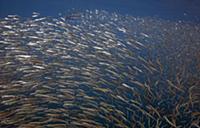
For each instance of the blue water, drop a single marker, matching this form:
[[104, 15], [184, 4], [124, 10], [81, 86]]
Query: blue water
[[187, 10]]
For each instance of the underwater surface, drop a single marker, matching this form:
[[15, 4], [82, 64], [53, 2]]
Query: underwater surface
[[187, 10], [96, 68]]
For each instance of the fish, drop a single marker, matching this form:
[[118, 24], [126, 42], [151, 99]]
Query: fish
[[98, 69], [169, 122], [172, 85], [145, 35]]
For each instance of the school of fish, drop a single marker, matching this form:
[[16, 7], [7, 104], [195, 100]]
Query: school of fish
[[95, 69]]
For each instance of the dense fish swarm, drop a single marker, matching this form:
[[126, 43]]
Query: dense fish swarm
[[97, 69]]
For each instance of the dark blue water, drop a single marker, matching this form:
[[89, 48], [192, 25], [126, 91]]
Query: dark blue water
[[187, 10]]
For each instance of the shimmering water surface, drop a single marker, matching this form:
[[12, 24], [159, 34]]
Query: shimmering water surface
[[98, 69]]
